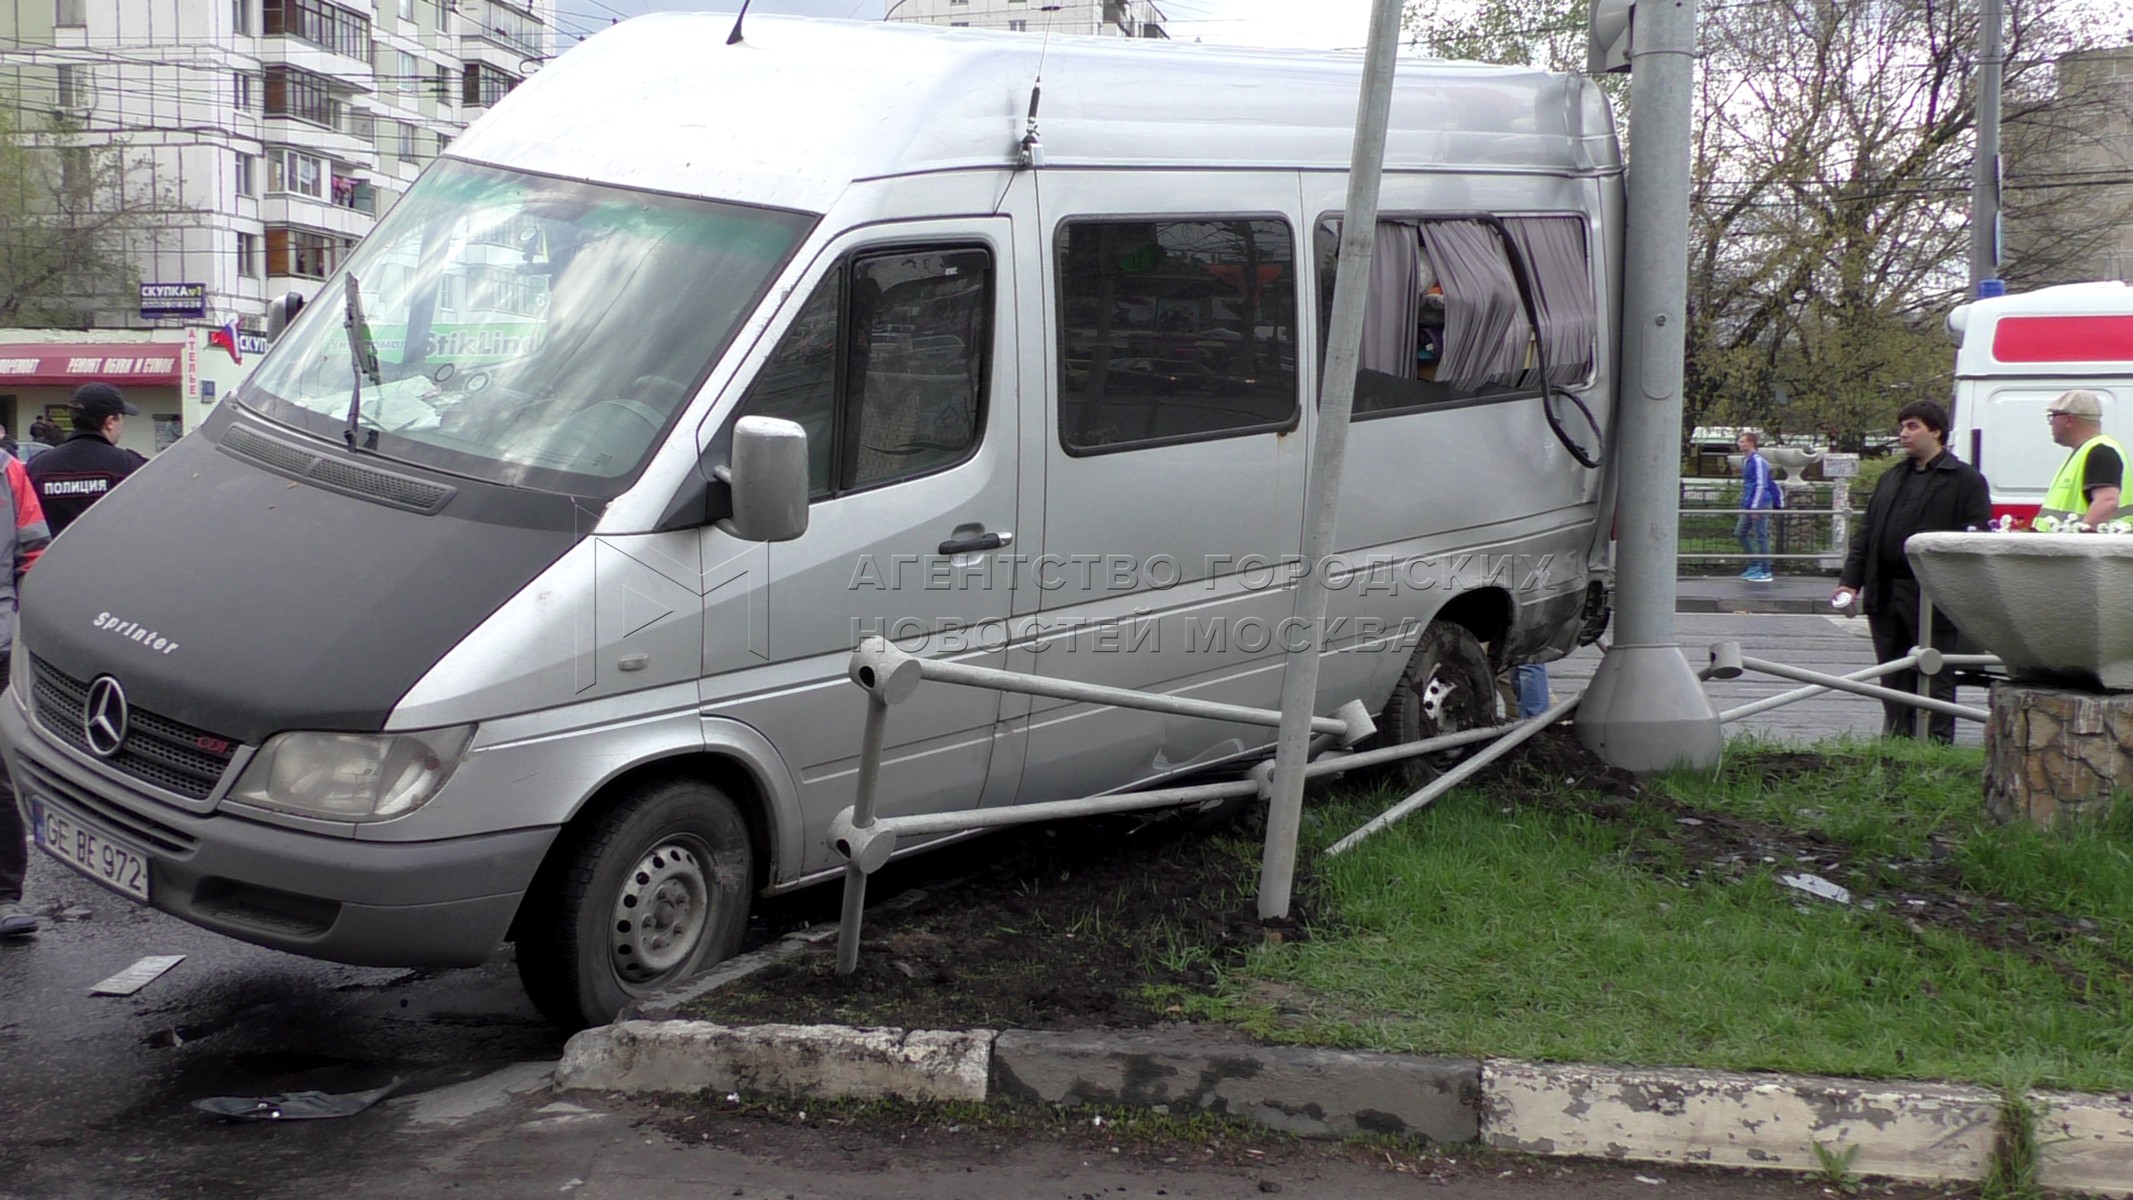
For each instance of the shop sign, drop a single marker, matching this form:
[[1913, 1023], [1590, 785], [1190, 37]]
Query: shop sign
[[173, 300]]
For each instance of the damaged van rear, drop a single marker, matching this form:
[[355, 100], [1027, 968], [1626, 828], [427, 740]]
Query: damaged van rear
[[510, 599]]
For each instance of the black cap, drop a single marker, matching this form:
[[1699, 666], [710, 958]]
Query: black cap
[[96, 401]]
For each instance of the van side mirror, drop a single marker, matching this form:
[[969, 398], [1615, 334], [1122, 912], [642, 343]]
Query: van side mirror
[[281, 310], [768, 477]]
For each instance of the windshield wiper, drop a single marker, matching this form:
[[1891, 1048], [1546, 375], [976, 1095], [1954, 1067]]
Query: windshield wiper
[[363, 353]]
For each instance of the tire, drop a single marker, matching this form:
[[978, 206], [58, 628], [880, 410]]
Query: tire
[[1447, 687], [639, 897]]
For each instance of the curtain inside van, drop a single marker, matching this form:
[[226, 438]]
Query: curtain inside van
[[1485, 332], [1393, 310], [1554, 250]]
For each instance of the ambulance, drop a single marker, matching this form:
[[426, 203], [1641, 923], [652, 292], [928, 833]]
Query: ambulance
[[2019, 352]]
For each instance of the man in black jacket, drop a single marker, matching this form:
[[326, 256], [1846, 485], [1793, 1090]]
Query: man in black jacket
[[1930, 491], [77, 472]]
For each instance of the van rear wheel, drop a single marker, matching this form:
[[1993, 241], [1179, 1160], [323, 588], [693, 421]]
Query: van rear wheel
[[647, 893], [1447, 687]]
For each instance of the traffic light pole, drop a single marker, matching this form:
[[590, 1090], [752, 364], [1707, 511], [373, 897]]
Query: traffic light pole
[[1985, 171]]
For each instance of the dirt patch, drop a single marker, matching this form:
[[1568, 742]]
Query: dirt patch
[[1064, 926], [1099, 923]]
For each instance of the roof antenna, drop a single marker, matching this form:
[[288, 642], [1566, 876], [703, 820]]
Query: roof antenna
[[1032, 146], [734, 38]]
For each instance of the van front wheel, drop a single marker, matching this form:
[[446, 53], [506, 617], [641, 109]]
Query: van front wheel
[[648, 892]]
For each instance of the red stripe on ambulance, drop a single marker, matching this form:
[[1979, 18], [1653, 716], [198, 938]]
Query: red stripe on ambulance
[[2097, 338]]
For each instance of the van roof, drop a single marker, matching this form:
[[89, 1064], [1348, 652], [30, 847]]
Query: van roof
[[2071, 329], [803, 107]]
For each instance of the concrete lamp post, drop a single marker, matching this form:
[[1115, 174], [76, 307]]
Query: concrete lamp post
[[1646, 710]]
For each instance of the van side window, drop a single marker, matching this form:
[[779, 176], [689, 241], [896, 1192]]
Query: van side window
[[1174, 331], [884, 367], [1446, 319], [799, 381], [917, 374]]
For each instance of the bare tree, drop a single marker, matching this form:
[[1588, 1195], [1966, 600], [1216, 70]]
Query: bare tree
[[1831, 178], [75, 215]]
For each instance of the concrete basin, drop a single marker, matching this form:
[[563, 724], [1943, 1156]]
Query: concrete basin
[[2056, 607]]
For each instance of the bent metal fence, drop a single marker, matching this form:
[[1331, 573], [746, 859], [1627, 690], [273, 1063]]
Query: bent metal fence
[[867, 839]]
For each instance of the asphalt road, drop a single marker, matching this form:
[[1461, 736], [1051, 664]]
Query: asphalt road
[[95, 1092]]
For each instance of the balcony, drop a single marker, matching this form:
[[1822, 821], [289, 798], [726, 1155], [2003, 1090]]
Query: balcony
[[345, 71], [293, 209], [355, 195], [519, 33], [340, 141]]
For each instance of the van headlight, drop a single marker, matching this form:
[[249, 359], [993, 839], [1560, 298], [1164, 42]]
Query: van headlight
[[352, 776]]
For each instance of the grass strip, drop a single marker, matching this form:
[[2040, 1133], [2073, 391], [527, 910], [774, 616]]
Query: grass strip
[[1532, 918]]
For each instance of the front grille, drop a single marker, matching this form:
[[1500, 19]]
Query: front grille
[[335, 474], [168, 754], [51, 787]]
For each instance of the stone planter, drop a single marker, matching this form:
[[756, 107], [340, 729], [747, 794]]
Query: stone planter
[[2056, 607]]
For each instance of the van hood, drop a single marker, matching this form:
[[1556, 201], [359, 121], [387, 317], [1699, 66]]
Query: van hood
[[244, 602]]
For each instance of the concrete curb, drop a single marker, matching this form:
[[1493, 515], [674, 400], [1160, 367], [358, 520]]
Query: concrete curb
[[1930, 1132], [2085, 1142], [1299, 1090], [1753, 604], [789, 1061], [1917, 1131]]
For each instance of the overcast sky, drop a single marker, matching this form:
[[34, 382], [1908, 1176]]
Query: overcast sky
[[1321, 24]]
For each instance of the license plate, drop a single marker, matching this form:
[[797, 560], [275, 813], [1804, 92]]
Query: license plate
[[106, 859]]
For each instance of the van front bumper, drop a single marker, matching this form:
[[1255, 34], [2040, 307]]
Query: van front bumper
[[390, 904]]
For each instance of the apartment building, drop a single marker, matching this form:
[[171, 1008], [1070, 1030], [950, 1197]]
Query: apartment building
[[1104, 18], [262, 138]]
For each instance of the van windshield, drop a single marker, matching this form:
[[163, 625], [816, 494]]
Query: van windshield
[[530, 331]]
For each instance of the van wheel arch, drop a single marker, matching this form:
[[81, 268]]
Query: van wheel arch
[[700, 817], [1488, 613], [726, 774]]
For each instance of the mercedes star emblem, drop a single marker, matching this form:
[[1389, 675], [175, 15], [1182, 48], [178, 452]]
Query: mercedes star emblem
[[103, 719]]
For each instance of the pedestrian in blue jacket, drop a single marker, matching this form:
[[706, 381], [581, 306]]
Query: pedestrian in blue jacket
[[1759, 494]]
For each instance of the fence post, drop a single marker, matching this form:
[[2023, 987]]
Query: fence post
[[1921, 720]]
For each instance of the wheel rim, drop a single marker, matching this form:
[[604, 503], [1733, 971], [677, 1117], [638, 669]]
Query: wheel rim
[[662, 911], [1436, 695]]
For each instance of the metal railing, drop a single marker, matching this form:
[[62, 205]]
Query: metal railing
[[1817, 535], [1727, 662], [867, 839]]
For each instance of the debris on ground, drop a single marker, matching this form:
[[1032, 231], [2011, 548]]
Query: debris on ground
[[294, 1106], [1815, 885], [137, 976]]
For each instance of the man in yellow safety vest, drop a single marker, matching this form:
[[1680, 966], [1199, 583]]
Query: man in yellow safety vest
[[2087, 488]]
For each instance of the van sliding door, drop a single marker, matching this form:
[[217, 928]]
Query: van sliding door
[[1174, 467]]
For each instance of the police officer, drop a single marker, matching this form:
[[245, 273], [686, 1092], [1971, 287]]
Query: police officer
[[77, 472], [2089, 484]]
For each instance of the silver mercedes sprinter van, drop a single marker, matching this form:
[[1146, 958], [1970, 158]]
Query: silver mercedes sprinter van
[[510, 599]]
